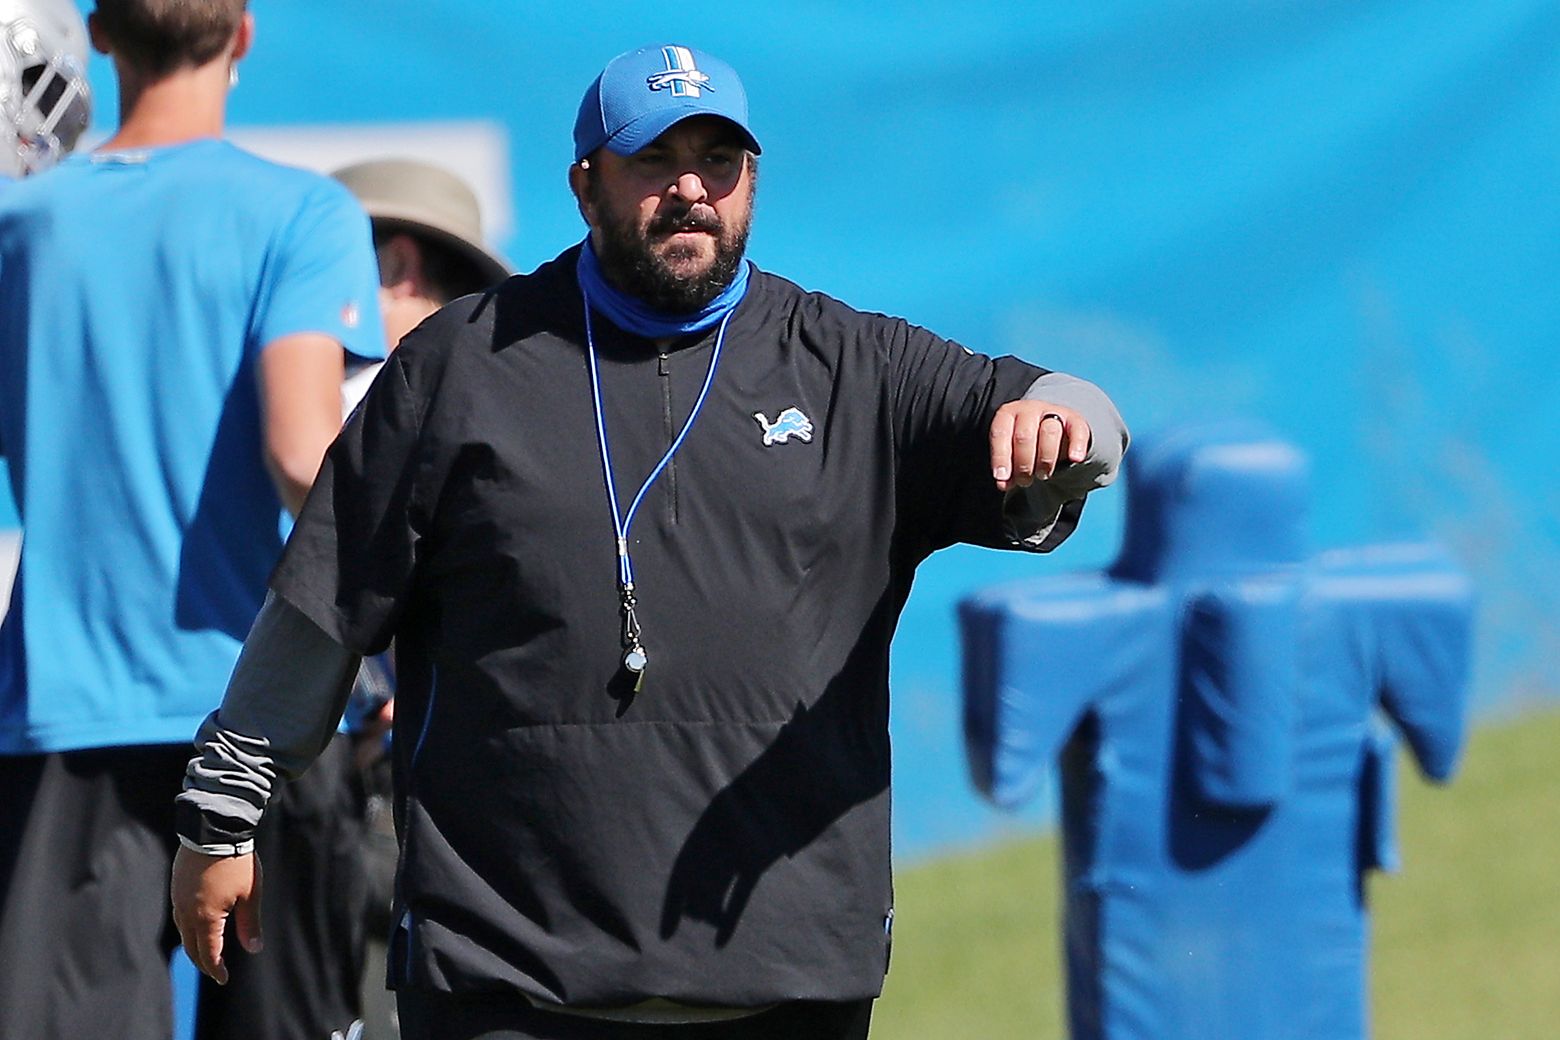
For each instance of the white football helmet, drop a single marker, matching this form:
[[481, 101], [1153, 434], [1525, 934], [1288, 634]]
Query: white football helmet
[[45, 102]]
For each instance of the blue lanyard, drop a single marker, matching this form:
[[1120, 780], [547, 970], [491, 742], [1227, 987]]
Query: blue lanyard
[[634, 656]]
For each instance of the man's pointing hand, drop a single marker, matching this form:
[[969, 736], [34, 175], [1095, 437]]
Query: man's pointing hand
[[1030, 439]]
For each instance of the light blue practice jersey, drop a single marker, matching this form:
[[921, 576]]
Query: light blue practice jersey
[[137, 290]]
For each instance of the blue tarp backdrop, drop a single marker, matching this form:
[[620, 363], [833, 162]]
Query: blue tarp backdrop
[[1342, 217]]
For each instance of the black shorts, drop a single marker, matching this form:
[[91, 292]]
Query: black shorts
[[445, 1016], [86, 843], [86, 846]]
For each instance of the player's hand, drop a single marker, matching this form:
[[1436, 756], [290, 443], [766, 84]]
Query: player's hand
[[205, 891], [1029, 439]]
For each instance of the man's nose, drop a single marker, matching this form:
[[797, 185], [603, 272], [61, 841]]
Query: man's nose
[[689, 187]]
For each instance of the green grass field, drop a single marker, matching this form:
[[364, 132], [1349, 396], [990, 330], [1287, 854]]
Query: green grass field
[[1466, 938]]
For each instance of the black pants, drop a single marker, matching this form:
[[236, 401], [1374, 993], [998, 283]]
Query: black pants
[[86, 845], [444, 1016]]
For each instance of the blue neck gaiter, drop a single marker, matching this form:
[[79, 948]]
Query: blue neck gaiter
[[631, 315]]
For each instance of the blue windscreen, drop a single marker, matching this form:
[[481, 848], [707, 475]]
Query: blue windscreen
[[1339, 217]]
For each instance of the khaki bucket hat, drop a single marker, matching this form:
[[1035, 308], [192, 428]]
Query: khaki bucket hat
[[422, 198]]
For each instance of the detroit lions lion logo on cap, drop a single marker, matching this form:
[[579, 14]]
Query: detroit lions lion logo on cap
[[682, 76], [791, 423]]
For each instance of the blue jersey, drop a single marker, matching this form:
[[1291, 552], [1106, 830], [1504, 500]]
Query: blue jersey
[[138, 290]]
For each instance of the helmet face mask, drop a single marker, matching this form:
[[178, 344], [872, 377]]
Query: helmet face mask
[[45, 103]]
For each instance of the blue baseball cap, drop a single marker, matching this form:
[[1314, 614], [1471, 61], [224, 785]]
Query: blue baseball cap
[[640, 94]]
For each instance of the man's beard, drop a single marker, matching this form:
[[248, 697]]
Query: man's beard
[[631, 265]]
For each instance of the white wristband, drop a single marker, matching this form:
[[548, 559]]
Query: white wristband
[[243, 848]]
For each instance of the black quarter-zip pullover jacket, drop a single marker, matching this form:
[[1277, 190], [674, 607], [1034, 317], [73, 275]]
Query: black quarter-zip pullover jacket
[[721, 837]]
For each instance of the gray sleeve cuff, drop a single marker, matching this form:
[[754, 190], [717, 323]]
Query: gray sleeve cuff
[[1041, 516], [280, 709], [1109, 433]]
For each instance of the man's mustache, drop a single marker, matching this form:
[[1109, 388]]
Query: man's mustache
[[692, 220]]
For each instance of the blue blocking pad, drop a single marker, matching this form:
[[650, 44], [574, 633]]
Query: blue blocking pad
[[1085, 638], [1411, 608], [1239, 690], [1223, 708], [1378, 799]]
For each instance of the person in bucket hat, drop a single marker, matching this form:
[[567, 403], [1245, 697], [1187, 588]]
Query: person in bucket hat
[[430, 245], [321, 837]]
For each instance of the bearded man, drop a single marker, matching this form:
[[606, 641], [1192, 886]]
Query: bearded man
[[641, 523]]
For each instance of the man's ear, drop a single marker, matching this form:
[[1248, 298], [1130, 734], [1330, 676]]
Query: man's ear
[[579, 184], [243, 37], [98, 37], [401, 267]]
